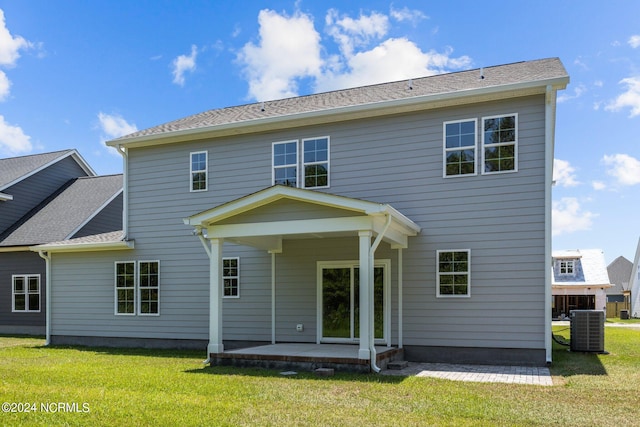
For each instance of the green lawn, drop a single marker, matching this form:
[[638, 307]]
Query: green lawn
[[149, 387]]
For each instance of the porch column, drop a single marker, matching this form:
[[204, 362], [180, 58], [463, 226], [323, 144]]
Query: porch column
[[215, 297], [365, 272]]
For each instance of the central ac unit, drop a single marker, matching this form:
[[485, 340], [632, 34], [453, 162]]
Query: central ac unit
[[587, 330]]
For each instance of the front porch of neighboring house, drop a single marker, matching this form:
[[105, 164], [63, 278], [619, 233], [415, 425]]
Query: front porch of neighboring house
[[360, 339]]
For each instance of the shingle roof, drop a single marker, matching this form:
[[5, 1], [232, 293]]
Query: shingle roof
[[497, 76], [592, 266], [14, 169], [64, 212], [620, 275], [110, 237]]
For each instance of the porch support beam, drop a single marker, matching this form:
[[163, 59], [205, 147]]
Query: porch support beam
[[215, 297], [365, 271]]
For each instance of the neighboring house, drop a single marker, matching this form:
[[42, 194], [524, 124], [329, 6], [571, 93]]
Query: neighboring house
[[580, 280], [619, 274], [413, 214], [48, 197]]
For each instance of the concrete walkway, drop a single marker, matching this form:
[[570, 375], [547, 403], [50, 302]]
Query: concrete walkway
[[531, 375]]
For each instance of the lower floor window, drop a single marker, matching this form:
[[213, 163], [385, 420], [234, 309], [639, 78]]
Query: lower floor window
[[231, 277], [453, 273], [137, 288], [26, 292]]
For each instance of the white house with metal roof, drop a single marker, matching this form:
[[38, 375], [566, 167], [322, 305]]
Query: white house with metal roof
[[409, 218]]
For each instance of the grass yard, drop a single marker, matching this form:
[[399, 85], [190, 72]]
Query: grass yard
[[164, 388]]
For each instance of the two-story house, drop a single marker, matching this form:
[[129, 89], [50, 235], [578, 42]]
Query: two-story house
[[411, 216], [580, 281], [43, 198]]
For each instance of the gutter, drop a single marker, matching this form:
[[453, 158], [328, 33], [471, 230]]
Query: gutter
[[47, 258]]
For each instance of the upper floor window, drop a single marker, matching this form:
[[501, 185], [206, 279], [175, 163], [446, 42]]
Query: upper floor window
[[231, 277], [199, 171], [26, 293], [285, 163], [453, 271], [316, 162], [460, 147], [500, 143], [567, 267]]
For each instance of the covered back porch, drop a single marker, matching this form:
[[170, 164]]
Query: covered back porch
[[264, 220]]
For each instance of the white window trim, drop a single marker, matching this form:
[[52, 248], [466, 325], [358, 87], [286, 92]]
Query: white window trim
[[206, 171], [515, 143], [139, 288], [115, 288], [573, 267], [328, 162], [273, 164], [445, 150], [438, 295], [26, 294], [237, 277]]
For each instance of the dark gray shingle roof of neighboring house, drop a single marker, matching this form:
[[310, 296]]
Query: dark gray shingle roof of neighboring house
[[14, 169], [65, 212], [498, 76], [620, 274]]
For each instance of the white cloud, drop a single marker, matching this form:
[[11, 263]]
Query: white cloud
[[114, 126], [13, 140], [634, 41], [630, 98], [598, 185], [563, 173], [624, 168], [288, 49], [405, 14], [9, 45], [5, 86], [568, 217], [577, 93], [183, 64]]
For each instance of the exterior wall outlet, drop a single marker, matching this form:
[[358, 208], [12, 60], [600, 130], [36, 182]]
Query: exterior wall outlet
[[299, 327]]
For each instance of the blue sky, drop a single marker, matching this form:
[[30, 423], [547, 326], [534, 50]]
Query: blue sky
[[76, 73]]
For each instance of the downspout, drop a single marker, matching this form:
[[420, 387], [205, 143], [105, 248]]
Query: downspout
[[125, 190], [47, 259], [198, 232], [372, 250], [550, 111]]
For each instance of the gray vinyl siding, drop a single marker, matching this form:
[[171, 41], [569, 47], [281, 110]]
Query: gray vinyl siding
[[108, 219], [20, 263], [30, 192], [396, 160]]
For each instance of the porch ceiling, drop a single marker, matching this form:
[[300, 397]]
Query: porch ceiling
[[265, 218]]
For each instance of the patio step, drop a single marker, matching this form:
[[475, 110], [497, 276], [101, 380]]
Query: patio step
[[397, 364]]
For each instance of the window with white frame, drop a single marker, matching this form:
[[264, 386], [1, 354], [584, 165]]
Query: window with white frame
[[231, 277], [315, 162], [26, 293], [567, 267], [137, 288], [199, 171], [285, 163], [453, 272], [500, 143], [460, 147]]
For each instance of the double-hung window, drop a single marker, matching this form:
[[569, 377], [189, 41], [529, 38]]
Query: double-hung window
[[137, 287], [26, 293], [453, 272], [199, 171], [285, 163], [313, 163], [460, 147], [500, 143], [567, 267], [231, 277]]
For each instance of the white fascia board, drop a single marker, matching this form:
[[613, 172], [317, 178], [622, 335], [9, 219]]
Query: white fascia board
[[84, 247], [339, 113], [283, 228]]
